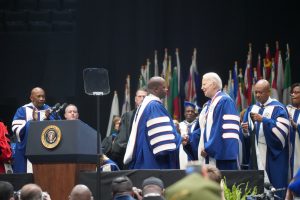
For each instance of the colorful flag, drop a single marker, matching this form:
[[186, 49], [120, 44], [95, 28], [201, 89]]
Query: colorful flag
[[248, 77], [165, 64], [280, 73], [287, 78], [242, 89], [126, 104], [180, 90], [268, 64], [174, 99], [114, 111], [235, 80], [258, 68], [190, 86], [274, 93]]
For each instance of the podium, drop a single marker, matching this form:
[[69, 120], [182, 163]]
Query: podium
[[58, 150]]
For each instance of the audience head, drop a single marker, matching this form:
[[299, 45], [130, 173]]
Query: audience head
[[294, 185], [211, 84], [71, 112], [189, 111], [139, 96], [194, 187], [213, 173], [153, 185], [38, 97], [121, 185], [295, 94], [31, 192], [116, 123], [6, 191], [81, 192], [157, 87], [262, 91]]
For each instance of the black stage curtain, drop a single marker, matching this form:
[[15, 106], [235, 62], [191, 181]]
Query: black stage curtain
[[120, 35]]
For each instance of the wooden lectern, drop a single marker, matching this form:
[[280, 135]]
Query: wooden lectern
[[58, 150]]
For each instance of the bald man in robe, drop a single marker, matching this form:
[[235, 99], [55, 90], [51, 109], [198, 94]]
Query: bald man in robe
[[36, 110]]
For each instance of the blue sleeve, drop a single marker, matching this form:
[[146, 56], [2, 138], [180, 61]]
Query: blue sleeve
[[276, 130], [161, 131]]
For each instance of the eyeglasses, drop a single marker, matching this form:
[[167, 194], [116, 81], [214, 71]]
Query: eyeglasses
[[295, 92]]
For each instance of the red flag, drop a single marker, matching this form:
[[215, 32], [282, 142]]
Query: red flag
[[268, 64]]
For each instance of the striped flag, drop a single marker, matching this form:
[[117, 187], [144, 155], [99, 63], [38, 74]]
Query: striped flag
[[248, 77], [190, 86], [280, 72], [274, 93], [287, 78], [126, 104], [258, 68]]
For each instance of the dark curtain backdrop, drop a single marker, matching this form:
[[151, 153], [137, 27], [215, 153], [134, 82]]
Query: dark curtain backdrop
[[120, 35]]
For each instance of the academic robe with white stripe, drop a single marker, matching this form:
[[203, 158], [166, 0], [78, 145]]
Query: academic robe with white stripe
[[221, 132], [20, 127], [294, 114], [157, 141], [271, 141]]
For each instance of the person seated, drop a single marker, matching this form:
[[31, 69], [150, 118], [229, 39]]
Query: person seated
[[81, 192], [71, 112], [153, 189], [6, 190], [122, 188], [33, 191], [107, 165]]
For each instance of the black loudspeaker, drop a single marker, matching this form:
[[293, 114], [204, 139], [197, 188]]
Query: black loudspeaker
[[96, 81]]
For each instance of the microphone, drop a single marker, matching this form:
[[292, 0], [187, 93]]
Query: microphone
[[54, 108], [270, 187], [61, 107]]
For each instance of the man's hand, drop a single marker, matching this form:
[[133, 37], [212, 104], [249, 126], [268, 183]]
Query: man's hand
[[256, 117], [203, 153], [47, 114], [185, 139]]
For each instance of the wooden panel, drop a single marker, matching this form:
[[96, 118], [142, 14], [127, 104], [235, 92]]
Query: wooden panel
[[58, 179]]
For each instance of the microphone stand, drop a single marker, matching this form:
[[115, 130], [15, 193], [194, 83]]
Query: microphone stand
[[98, 182]]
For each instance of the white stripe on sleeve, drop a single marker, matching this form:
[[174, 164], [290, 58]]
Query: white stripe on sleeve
[[162, 138], [159, 130], [157, 120]]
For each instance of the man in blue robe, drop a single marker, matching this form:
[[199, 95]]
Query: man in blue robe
[[219, 125], [36, 110], [270, 122], [153, 141]]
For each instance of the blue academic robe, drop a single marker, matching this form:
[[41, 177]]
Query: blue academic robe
[[157, 141], [20, 127], [275, 128], [223, 141], [294, 113]]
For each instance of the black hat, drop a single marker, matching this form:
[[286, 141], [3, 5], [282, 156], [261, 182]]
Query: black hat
[[153, 181]]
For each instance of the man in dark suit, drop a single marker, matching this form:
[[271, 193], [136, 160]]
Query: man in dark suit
[[120, 143]]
